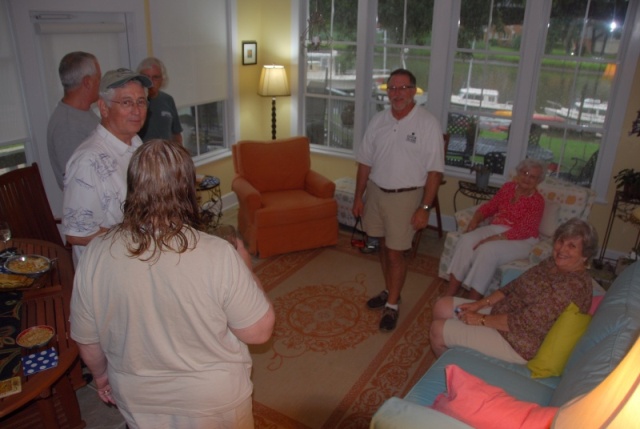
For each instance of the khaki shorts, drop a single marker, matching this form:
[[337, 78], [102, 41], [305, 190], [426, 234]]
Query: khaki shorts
[[388, 215], [486, 340]]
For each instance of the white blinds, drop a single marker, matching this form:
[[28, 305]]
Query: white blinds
[[191, 39], [12, 117]]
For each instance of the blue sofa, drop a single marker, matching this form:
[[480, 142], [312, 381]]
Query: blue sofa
[[613, 330]]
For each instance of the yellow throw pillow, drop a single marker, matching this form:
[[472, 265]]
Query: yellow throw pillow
[[554, 352]]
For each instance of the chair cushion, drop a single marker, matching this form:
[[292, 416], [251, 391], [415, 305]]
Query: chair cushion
[[611, 333], [294, 206], [481, 405], [593, 368], [274, 166], [559, 342], [513, 378], [549, 222], [575, 201]]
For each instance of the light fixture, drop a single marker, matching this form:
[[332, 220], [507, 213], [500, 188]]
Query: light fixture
[[612, 404], [273, 83], [609, 71]]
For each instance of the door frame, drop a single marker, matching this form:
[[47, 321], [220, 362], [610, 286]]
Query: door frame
[[33, 86]]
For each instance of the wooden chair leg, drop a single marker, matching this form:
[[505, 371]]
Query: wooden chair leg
[[48, 412], [436, 206], [69, 401], [75, 375], [416, 243]]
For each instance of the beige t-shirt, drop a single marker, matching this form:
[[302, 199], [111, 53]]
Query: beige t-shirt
[[164, 326]]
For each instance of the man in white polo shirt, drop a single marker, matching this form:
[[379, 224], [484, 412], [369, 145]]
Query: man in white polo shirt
[[95, 181], [400, 165]]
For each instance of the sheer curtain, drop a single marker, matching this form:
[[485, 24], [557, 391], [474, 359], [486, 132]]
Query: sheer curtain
[[13, 123]]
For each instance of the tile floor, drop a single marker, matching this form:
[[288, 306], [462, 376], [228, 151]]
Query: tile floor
[[98, 415]]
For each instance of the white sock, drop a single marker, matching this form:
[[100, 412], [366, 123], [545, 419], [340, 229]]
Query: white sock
[[392, 306]]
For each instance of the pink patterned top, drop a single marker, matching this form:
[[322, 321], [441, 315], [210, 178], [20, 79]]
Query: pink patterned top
[[534, 301], [523, 217]]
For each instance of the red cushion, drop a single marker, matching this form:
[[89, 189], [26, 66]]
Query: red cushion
[[481, 405], [595, 302]]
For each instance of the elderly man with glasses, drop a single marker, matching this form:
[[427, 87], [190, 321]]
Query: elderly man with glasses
[[400, 165], [95, 181]]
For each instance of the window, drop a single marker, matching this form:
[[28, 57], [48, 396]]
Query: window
[[12, 120], [507, 79], [581, 55], [403, 36], [329, 43], [203, 127], [483, 83]]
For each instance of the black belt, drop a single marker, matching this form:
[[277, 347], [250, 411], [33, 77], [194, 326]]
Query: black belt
[[397, 191]]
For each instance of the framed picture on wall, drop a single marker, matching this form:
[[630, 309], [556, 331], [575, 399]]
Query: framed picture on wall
[[249, 53]]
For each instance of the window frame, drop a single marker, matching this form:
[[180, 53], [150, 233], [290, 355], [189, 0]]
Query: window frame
[[443, 45]]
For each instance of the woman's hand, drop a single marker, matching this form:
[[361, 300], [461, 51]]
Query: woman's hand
[[469, 307], [104, 389], [492, 238], [472, 318]]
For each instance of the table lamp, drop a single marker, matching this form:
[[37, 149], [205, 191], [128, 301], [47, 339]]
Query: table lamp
[[612, 404], [273, 83]]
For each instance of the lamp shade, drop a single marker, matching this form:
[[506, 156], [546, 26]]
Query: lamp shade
[[273, 82], [612, 404]]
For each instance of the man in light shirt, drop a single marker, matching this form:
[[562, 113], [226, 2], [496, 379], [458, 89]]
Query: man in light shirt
[[95, 182], [73, 120]]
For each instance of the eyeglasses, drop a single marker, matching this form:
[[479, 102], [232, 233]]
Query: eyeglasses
[[399, 88], [529, 175], [128, 103]]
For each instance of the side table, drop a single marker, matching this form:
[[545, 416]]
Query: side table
[[471, 190], [210, 200], [622, 204]]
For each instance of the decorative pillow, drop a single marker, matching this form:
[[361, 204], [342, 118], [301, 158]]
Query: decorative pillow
[[481, 405], [554, 352], [549, 222], [595, 302]]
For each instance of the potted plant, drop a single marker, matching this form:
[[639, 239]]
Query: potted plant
[[628, 182], [482, 174]]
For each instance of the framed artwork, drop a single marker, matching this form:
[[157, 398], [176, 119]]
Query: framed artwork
[[249, 53]]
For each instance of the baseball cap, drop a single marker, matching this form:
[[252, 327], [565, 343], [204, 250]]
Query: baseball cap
[[117, 78]]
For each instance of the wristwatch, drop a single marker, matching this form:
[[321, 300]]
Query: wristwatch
[[426, 207]]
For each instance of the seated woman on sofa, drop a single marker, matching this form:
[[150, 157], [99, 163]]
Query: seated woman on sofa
[[516, 212], [511, 323]]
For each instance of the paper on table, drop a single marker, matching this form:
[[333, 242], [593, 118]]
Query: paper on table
[[10, 386]]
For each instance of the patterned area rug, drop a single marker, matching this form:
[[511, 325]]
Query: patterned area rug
[[328, 366]]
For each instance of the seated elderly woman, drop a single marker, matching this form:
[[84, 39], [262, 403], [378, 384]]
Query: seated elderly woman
[[515, 211], [511, 323]]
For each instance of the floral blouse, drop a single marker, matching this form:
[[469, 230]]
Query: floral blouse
[[534, 301], [523, 217]]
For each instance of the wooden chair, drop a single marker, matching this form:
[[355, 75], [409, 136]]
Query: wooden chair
[[462, 128], [581, 171], [24, 205], [47, 398], [436, 206], [495, 161], [62, 274]]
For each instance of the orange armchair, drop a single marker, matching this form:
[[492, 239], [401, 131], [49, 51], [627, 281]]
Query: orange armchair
[[284, 205]]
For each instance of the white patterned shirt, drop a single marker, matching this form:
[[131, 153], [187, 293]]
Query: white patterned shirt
[[95, 185]]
